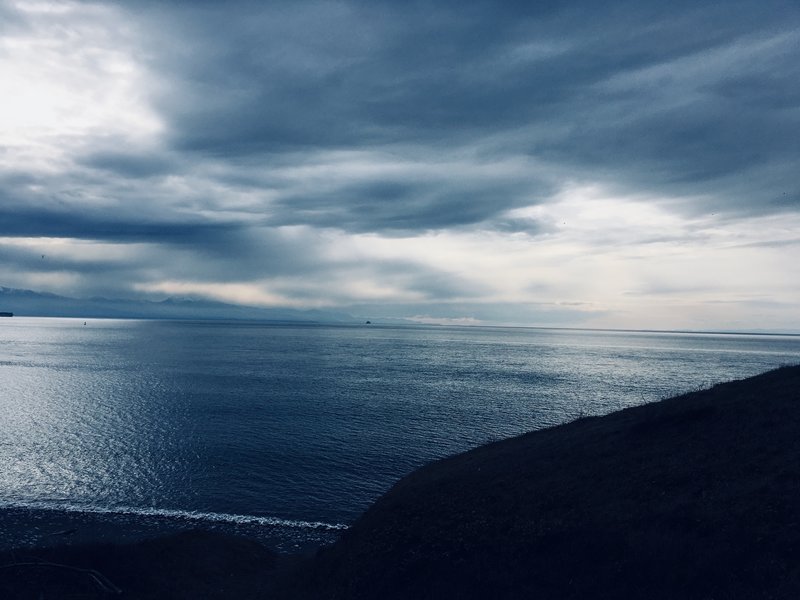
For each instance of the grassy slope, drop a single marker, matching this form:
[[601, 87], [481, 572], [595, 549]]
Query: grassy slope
[[693, 497]]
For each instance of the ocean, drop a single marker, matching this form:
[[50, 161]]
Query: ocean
[[286, 433]]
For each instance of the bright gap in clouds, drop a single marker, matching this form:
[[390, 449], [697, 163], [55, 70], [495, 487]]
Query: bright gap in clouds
[[247, 293], [618, 262], [69, 75]]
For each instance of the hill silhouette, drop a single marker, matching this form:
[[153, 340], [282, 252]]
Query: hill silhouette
[[697, 496]]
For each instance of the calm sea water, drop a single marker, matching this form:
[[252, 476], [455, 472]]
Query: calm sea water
[[290, 432]]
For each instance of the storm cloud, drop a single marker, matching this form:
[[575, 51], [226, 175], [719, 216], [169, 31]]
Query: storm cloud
[[678, 98], [440, 155]]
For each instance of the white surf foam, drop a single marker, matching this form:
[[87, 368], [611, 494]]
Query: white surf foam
[[187, 515]]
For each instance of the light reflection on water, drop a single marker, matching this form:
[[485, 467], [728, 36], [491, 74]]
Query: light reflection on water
[[305, 423]]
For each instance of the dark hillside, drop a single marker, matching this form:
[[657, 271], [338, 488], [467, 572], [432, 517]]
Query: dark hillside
[[184, 566], [692, 497]]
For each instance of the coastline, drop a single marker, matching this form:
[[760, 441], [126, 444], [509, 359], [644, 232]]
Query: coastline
[[37, 527], [691, 497]]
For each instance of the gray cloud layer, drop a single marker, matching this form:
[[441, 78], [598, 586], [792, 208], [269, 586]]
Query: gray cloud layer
[[396, 119], [682, 99]]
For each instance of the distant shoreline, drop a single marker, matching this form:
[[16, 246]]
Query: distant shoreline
[[377, 323]]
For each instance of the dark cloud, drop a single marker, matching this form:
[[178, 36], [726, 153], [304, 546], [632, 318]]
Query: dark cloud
[[407, 205], [281, 125], [718, 130], [82, 224], [132, 165], [674, 98]]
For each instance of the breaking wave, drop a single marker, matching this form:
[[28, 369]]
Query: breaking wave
[[185, 515]]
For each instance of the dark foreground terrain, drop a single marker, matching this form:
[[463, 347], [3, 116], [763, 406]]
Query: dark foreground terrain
[[692, 497]]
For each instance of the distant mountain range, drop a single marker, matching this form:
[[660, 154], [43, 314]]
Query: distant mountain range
[[28, 303]]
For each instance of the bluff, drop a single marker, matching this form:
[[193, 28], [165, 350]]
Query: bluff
[[696, 496]]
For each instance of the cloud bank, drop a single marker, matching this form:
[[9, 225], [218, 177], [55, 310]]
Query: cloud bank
[[618, 164]]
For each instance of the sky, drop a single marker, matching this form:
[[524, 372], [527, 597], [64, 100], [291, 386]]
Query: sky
[[628, 164]]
